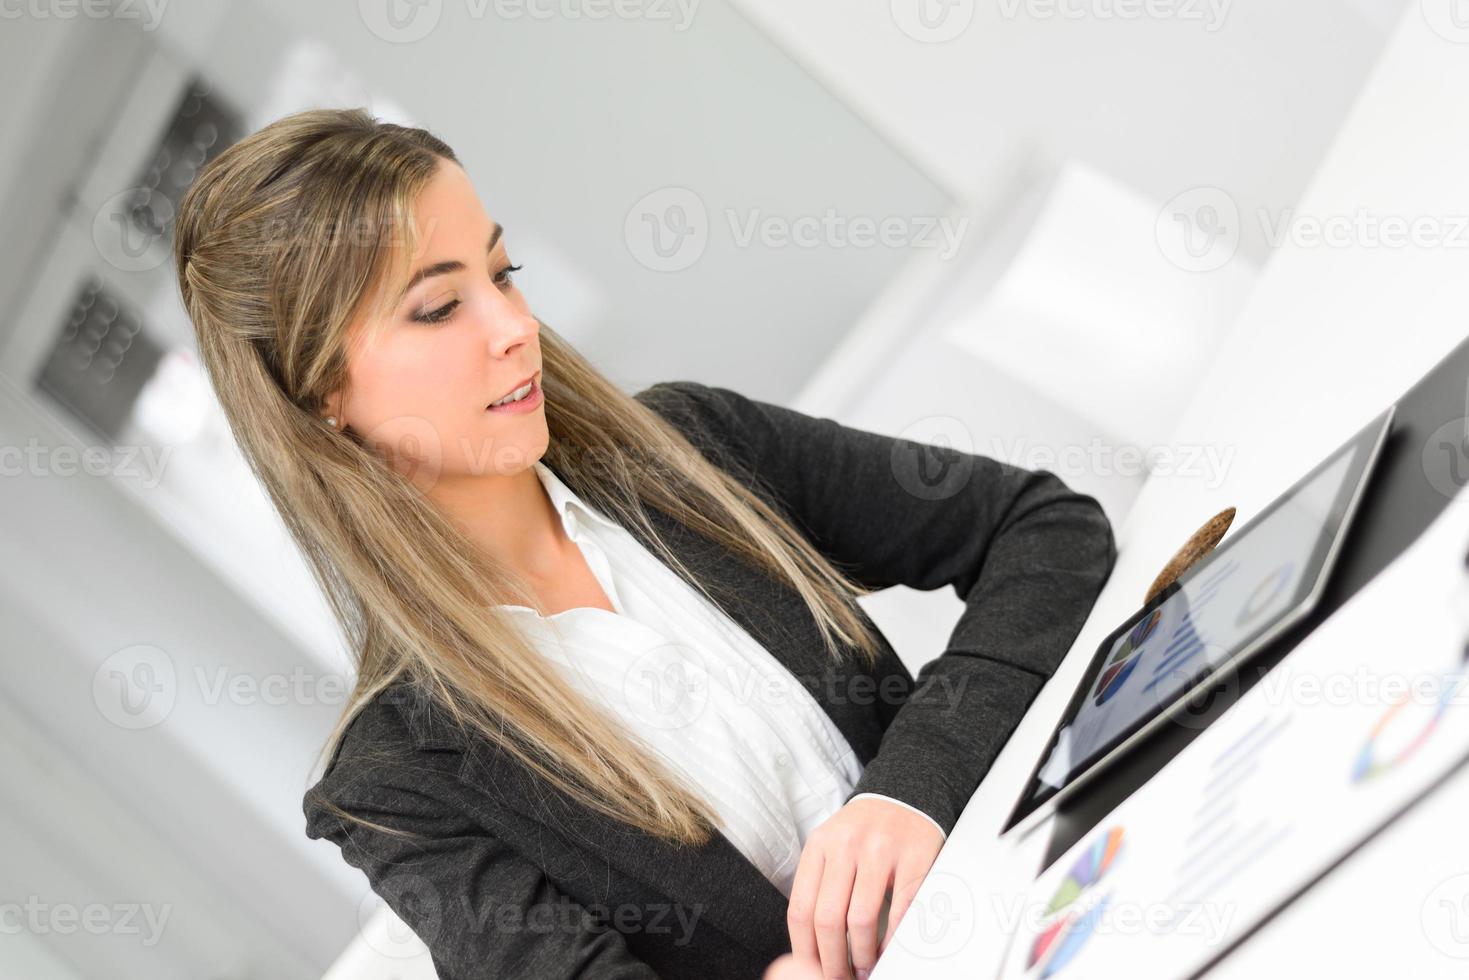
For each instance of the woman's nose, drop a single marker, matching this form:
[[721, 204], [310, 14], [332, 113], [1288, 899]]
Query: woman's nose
[[506, 324]]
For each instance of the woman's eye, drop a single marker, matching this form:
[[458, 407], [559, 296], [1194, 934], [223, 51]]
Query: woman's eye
[[437, 316], [503, 278]]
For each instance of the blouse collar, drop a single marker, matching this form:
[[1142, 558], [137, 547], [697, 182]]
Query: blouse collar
[[569, 506]]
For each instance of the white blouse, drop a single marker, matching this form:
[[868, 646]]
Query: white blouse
[[700, 691]]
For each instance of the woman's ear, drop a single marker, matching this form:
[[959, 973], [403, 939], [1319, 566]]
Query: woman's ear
[[331, 410]]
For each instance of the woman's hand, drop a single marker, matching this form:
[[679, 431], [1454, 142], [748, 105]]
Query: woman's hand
[[787, 967], [847, 866]]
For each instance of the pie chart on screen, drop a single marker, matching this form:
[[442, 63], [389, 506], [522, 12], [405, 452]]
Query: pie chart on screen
[[1271, 587], [1402, 729], [1120, 665], [1075, 910]]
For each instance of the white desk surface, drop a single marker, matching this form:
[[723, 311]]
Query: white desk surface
[[1331, 334]]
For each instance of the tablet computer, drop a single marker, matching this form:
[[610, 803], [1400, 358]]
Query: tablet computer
[[1227, 606]]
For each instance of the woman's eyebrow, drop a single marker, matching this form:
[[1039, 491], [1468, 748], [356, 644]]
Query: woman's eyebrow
[[447, 266]]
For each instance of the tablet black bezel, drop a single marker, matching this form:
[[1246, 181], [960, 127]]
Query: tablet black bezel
[[1369, 440]]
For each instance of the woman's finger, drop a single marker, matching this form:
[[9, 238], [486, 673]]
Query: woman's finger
[[907, 879], [868, 892], [838, 873], [801, 909]]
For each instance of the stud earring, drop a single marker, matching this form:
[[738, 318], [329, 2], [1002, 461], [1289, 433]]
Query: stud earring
[[331, 420]]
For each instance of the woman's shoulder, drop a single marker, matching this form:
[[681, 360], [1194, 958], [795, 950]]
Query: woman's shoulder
[[716, 420], [400, 729]]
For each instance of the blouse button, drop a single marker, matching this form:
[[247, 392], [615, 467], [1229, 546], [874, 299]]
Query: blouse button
[[783, 760]]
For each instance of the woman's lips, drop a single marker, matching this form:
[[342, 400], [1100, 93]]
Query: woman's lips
[[533, 376], [528, 403]]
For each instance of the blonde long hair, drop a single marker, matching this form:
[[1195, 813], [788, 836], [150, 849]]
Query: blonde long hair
[[277, 244]]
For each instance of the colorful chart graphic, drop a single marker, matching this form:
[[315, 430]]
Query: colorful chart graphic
[[1122, 662], [1183, 646], [1265, 593], [1399, 732], [1174, 665], [1073, 924]]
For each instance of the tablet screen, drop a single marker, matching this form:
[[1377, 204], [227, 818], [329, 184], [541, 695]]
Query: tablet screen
[[1228, 602]]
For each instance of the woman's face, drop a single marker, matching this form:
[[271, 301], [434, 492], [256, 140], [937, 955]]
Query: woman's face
[[422, 379]]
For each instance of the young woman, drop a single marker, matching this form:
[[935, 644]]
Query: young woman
[[616, 713]]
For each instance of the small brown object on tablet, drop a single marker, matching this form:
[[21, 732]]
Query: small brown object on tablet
[[1196, 547]]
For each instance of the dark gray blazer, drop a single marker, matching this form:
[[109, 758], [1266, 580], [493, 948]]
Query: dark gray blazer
[[513, 879]]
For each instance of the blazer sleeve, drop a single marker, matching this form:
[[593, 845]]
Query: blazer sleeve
[[1026, 554], [482, 909]]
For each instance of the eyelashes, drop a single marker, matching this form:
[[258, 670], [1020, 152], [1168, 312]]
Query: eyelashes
[[436, 316], [502, 278]]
